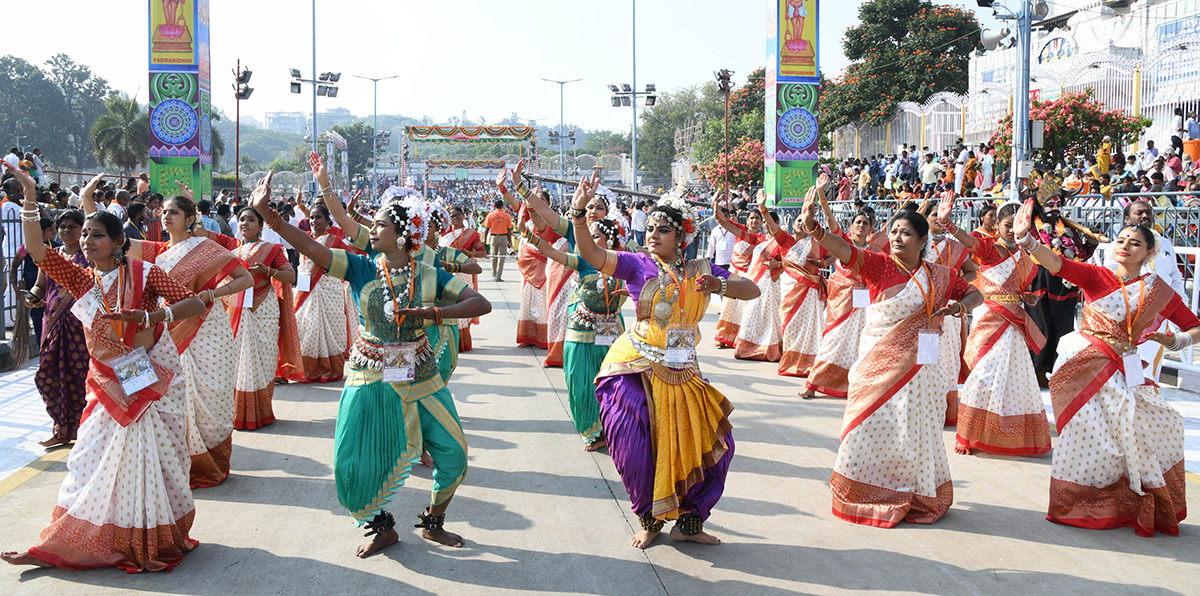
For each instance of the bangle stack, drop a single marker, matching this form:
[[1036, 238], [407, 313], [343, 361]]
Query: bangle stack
[[274, 222], [30, 213], [326, 189], [1027, 243], [170, 316], [724, 287], [521, 188], [576, 213], [437, 315], [145, 319], [950, 227], [1182, 341]]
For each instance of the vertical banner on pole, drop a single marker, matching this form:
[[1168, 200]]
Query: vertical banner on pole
[[180, 97], [791, 111]]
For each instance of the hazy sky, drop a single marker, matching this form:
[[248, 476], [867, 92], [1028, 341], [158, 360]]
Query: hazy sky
[[481, 57]]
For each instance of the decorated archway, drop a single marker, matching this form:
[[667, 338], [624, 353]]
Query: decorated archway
[[466, 135]]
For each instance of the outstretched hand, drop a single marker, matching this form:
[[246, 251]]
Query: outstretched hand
[[952, 308], [93, 183], [260, 199], [502, 179], [24, 178], [185, 190], [318, 169], [1023, 220], [944, 210]]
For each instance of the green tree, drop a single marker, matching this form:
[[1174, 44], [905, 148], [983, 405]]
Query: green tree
[[673, 110], [31, 106], [84, 95], [902, 50], [605, 142], [747, 106], [121, 135], [1074, 122], [358, 152]]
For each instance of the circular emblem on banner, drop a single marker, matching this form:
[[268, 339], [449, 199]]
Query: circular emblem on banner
[[205, 134], [173, 121], [798, 128]]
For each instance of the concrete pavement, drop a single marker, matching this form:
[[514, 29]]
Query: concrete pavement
[[542, 516]]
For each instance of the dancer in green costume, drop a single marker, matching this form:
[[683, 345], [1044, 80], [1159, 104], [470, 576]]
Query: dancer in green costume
[[384, 420]]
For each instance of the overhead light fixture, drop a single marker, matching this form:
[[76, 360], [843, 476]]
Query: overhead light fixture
[[626, 88], [244, 77], [333, 91], [334, 77], [324, 76], [650, 100], [322, 90], [625, 101], [295, 87], [244, 92], [295, 73], [616, 101], [650, 88], [613, 88]]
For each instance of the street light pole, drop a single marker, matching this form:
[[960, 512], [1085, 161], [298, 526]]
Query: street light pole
[[562, 165], [237, 143], [314, 90], [1021, 149], [375, 133], [634, 102]]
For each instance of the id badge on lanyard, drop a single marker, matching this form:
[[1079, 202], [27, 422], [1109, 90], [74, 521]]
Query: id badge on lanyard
[[400, 363], [248, 298], [303, 282], [861, 297], [607, 330], [927, 347], [1135, 374], [681, 346], [134, 371]]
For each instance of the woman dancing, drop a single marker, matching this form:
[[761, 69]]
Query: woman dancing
[[125, 502], [891, 465], [594, 322], [63, 357], [760, 329], [804, 296], [845, 312], [205, 343], [1119, 458], [667, 429], [395, 401], [325, 315], [266, 342], [468, 242], [1000, 409], [950, 247], [729, 324]]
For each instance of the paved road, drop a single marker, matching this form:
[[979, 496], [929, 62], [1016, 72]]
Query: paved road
[[542, 516]]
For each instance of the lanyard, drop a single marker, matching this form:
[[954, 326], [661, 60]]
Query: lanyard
[[1138, 313], [607, 299], [927, 296], [678, 286], [118, 326], [412, 278], [1015, 254], [252, 246]]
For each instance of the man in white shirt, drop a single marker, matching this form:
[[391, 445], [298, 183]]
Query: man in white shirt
[[1164, 265], [13, 238], [960, 167], [987, 168], [38, 164], [637, 221], [13, 157], [720, 244], [117, 205]]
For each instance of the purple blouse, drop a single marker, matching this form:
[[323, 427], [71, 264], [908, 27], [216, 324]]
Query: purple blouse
[[636, 268]]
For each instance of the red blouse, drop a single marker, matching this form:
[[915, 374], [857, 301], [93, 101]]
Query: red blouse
[[881, 272], [78, 280], [745, 235], [1098, 282]]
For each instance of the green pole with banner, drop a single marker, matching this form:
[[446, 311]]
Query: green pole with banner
[[180, 97], [792, 92]]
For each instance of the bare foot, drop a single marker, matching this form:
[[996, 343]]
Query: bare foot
[[16, 558], [808, 394], [643, 539], [596, 445], [53, 442], [702, 538], [426, 460], [720, 346], [961, 450], [443, 537], [378, 542]]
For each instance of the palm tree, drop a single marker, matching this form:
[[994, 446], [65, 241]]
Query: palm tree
[[121, 135]]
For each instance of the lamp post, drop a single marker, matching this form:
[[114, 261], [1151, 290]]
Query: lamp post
[[562, 166], [626, 96], [724, 86], [1029, 11], [242, 90], [324, 85], [375, 132]]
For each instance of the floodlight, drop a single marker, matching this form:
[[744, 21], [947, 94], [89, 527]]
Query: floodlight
[[322, 90], [333, 91], [244, 77], [650, 88], [613, 88], [295, 87], [625, 101], [626, 88], [244, 92], [295, 73], [650, 100], [334, 76], [616, 101], [324, 76]]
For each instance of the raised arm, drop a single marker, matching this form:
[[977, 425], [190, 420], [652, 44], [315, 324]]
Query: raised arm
[[772, 225], [830, 220], [547, 249], [834, 244], [332, 202], [86, 202], [301, 241], [1040, 254], [945, 208], [605, 261], [31, 219]]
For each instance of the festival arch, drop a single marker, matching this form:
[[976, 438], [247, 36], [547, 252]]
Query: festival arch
[[466, 135]]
